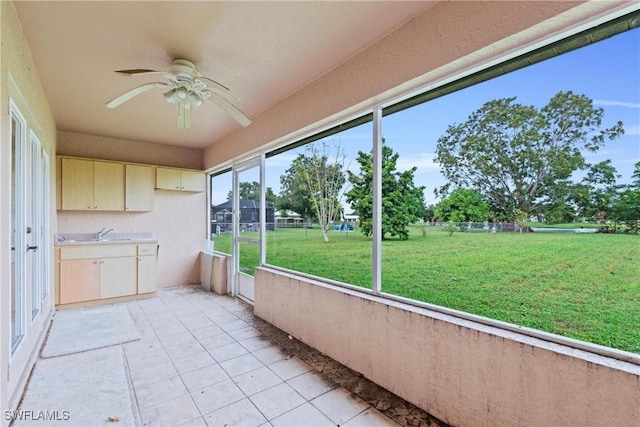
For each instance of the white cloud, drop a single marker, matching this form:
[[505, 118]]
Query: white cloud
[[616, 103], [423, 161], [632, 130]]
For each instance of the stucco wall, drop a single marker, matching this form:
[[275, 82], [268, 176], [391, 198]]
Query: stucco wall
[[464, 373], [178, 220], [15, 59], [446, 39], [100, 147]]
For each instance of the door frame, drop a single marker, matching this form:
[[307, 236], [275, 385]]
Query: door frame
[[238, 278]]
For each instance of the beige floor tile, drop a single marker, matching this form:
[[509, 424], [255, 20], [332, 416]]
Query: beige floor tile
[[144, 345], [222, 316], [217, 396], [242, 413], [197, 322], [138, 361], [198, 422], [170, 413], [339, 405], [311, 385], [203, 377], [208, 331], [193, 361], [289, 368], [256, 343], [257, 380], [277, 400], [371, 418], [305, 415], [215, 341], [270, 354], [171, 330], [233, 325], [152, 373], [245, 333], [160, 391], [178, 350], [227, 352], [241, 364]]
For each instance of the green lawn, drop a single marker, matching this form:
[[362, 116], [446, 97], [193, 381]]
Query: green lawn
[[584, 286]]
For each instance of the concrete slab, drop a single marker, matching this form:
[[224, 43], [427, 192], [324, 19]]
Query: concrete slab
[[85, 329], [82, 389]]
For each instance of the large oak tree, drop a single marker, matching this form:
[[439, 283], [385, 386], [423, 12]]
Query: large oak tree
[[514, 154]]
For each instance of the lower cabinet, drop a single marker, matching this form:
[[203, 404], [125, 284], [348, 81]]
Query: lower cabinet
[[101, 271], [81, 279], [118, 277]]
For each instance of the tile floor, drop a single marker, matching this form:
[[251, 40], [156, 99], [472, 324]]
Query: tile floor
[[201, 362]]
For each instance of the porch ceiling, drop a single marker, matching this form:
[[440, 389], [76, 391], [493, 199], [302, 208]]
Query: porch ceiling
[[262, 51]]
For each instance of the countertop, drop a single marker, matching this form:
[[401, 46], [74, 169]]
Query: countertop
[[71, 239]]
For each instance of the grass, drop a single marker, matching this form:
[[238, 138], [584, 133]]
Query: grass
[[584, 286]]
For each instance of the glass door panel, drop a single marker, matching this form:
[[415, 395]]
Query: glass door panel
[[247, 228]]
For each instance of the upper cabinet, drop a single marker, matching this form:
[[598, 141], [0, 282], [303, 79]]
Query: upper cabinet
[[180, 180], [92, 185], [139, 188], [102, 185]]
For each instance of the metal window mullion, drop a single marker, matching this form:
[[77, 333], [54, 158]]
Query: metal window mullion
[[235, 250], [263, 212], [376, 261]]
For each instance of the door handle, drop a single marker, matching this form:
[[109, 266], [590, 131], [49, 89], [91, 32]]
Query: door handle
[[32, 248]]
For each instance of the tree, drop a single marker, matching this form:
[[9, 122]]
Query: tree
[[428, 212], [463, 205], [513, 154], [251, 191], [402, 200], [626, 205], [599, 188], [293, 193], [314, 183]]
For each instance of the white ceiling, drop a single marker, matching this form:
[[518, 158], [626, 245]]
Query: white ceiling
[[262, 51]]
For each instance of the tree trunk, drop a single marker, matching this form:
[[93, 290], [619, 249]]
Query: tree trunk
[[325, 235]]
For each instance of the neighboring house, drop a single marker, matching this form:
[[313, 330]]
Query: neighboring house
[[222, 217], [288, 219]]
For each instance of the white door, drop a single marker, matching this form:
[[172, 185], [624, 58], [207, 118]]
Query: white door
[[29, 225], [247, 229]]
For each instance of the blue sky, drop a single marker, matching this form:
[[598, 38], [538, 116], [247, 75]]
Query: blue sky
[[608, 72]]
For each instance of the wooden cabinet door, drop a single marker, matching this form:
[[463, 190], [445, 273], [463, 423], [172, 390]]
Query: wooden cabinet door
[[147, 279], [168, 179], [109, 186], [79, 280], [118, 277], [192, 181], [139, 188], [77, 184]]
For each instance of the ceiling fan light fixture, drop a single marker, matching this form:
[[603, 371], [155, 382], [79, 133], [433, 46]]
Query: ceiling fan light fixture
[[189, 90]]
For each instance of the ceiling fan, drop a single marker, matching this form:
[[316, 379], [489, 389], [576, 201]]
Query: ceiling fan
[[188, 89]]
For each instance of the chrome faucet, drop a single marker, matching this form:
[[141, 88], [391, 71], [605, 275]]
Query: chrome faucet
[[103, 233]]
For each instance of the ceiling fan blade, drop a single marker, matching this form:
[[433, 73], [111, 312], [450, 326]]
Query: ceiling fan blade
[[218, 88], [215, 83], [229, 108], [184, 115], [138, 71], [119, 100]]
